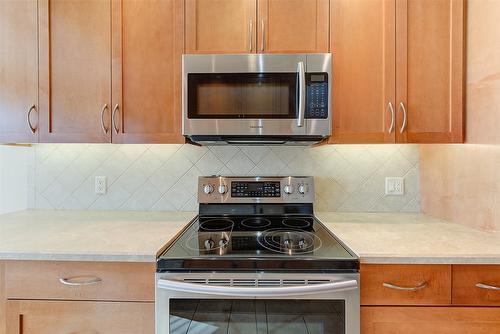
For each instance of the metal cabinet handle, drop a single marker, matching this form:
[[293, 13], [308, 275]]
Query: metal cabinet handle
[[393, 117], [80, 280], [33, 129], [104, 108], [405, 288], [251, 36], [403, 126], [487, 286], [262, 30], [113, 120], [302, 94]]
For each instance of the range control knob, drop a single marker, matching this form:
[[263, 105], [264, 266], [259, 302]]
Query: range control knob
[[209, 244], [222, 189], [288, 189], [208, 189], [302, 189], [223, 242], [287, 243]]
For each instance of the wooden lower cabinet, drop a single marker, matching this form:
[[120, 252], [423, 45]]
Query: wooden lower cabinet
[[419, 320], [63, 317]]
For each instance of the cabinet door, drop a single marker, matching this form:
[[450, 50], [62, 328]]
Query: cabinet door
[[430, 75], [75, 70], [147, 50], [363, 48], [18, 70], [62, 317], [293, 26], [418, 320], [221, 26]]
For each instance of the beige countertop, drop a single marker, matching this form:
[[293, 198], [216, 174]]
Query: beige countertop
[[412, 238], [139, 236], [88, 235]]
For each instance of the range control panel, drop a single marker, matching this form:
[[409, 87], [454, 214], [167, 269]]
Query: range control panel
[[317, 95], [255, 189]]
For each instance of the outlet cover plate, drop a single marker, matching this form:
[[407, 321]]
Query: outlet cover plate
[[394, 186], [100, 185]]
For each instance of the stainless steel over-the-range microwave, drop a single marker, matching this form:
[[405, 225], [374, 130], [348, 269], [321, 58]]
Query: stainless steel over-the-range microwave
[[257, 98]]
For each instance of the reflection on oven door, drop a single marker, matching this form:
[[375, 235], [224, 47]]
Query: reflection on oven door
[[214, 316]]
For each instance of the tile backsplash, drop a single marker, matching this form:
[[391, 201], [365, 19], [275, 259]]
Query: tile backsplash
[[164, 177]]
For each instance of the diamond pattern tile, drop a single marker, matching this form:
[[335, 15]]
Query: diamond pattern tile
[[164, 177]]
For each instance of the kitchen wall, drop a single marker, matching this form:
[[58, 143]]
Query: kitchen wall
[[164, 177], [16, 177], [462, 182]]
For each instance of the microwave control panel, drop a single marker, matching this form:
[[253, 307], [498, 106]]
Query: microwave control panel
[[317, 95]]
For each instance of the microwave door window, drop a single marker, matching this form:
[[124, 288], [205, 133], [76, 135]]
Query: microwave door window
[[242, 95]]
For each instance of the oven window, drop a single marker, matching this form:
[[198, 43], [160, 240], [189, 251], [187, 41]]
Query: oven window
[[211, 316], [242, 95]]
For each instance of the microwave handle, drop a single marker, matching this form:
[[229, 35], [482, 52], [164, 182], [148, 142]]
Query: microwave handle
[[235, 291], [302, 94]]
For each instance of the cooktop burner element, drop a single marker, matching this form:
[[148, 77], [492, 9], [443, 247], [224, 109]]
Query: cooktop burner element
[[256, 223], [245, 230]]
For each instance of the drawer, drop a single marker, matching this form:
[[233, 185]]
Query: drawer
[[433, 320], [109, 281], [58, 317], [476, 285], [405, 284]]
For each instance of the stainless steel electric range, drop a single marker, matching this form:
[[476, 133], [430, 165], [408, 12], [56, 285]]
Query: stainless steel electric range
[[256, 260]]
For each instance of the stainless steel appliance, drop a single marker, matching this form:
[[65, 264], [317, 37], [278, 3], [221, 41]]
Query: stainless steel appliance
[[256, 260], [257, 98]]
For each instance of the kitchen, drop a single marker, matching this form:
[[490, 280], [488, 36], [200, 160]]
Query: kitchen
[[249, 166]]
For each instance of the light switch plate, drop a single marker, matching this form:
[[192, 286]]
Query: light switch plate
[[394, 186], [100, 185]]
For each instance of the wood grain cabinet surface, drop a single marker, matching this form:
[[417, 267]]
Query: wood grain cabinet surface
[[476, 285], [63, 317], [405, 284], [263, 26], [148, 42], [105, 281], [18, 71], [398, 71], [420, 320]]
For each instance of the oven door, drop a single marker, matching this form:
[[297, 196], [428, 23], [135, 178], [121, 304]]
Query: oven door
[[244, 95], [259, 303]]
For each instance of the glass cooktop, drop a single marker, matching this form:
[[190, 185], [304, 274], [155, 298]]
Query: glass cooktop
[[270, 243]]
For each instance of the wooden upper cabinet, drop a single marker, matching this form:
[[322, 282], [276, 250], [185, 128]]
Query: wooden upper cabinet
[[363, 49], [75, 70], [147, 50], [430, 74], [18, 70], [221, 26], [293, 26]]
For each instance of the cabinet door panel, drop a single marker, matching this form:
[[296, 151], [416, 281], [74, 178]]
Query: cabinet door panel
[[363, 48], [430, 44], [18, 70], [293, 26], [465, 289], [418, 320], [220, 26], [75, 70], [147, 50], [62, 317]]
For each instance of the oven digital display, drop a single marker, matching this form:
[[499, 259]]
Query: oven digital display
[[255, 189]]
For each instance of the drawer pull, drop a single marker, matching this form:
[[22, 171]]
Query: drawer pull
[[405, 288], [487, 286], [80, 280]]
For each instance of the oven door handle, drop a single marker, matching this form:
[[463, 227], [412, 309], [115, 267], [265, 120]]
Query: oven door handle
[[236, 291], [302, 94]]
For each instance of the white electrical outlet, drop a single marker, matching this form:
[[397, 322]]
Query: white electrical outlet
[[394, 186], [100, 184]]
